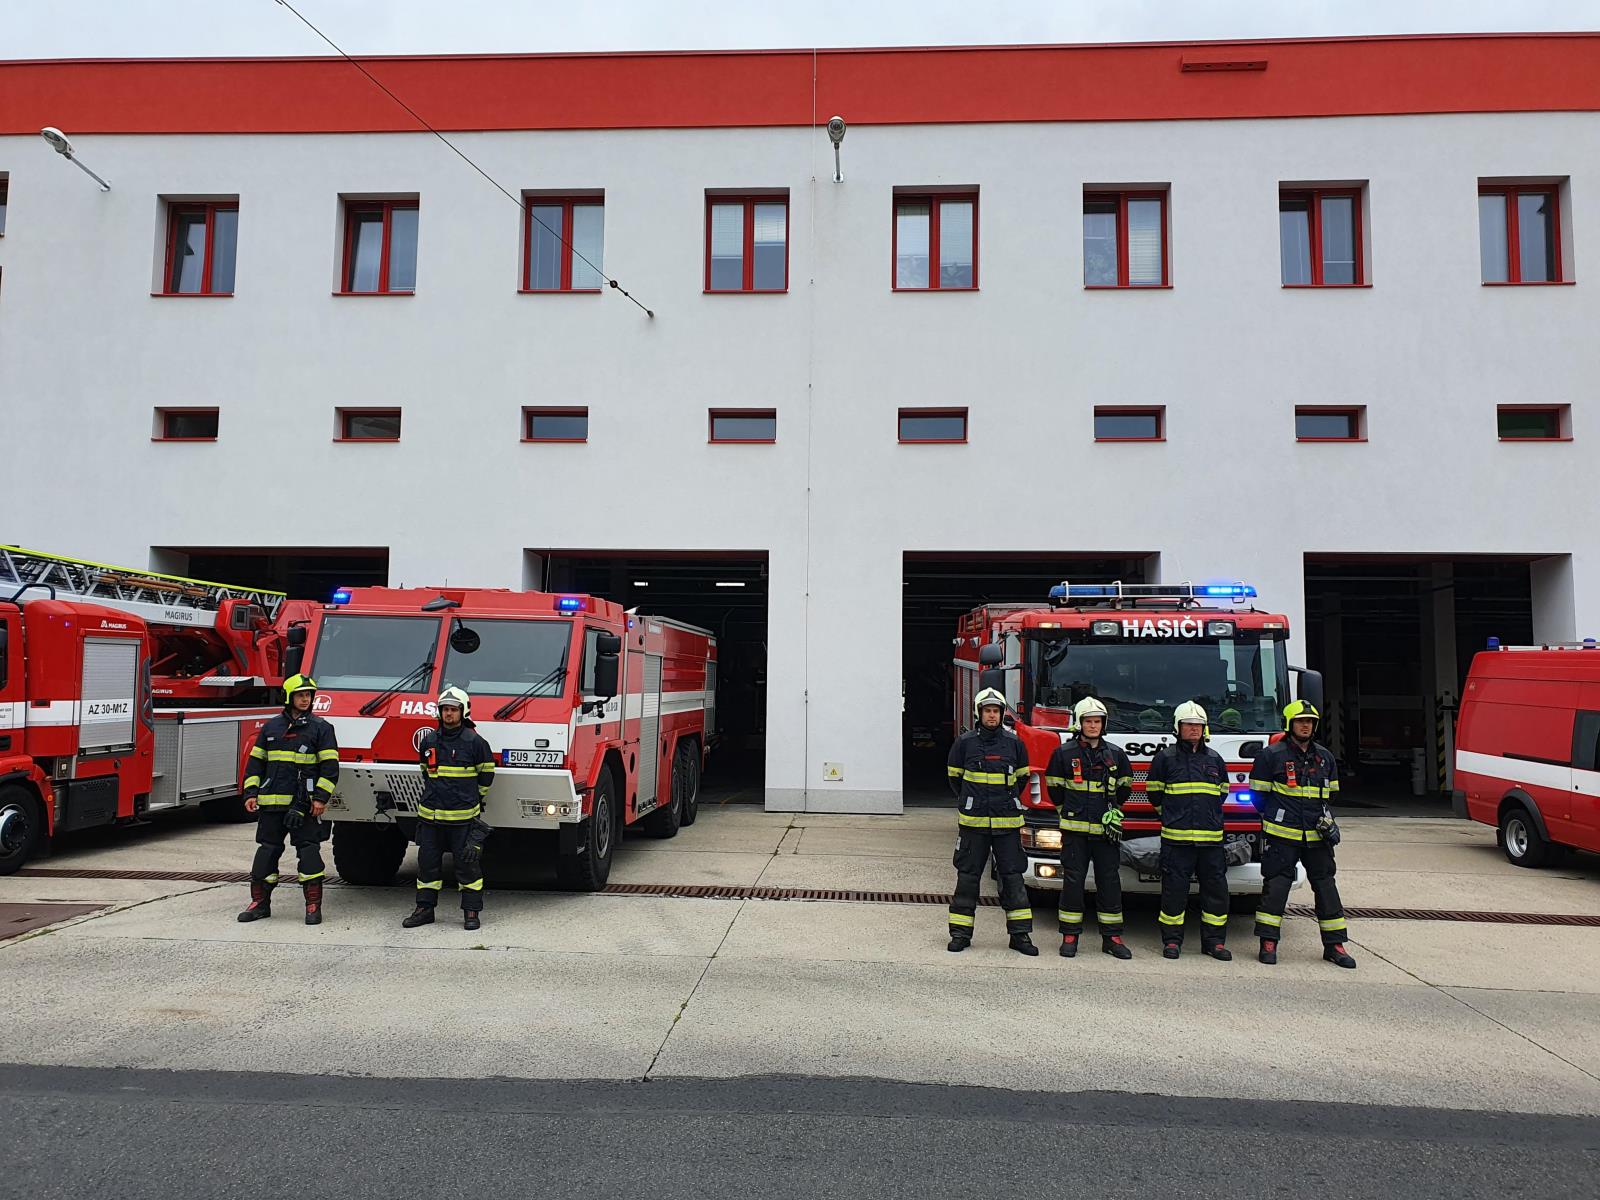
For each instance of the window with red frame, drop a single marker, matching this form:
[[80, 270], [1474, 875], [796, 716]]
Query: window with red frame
[[555, 424], [380, 247], [744, 425], [1319, 237], [1314, 423], [202, 240], [1534, 422], [369, 425], [1519, 234], [1115, 424], [563, 241], [1125, 239], [5, 194], [933, 425], [935, 243], [747, 244], [186, 425]]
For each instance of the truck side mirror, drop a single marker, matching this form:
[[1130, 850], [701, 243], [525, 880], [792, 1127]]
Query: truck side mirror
[[607, 662], [296, 635], [991, 655], [992, 679], [1310, 689]]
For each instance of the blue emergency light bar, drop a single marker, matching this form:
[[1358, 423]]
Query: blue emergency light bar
[[1065, 593], [570, 604], [341, 596]]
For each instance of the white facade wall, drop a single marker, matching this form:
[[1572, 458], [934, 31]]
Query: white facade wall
[[86, 354]]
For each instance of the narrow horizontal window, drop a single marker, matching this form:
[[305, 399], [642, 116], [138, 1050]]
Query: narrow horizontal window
[[1125, 239], [380, 247], [555, 424], [369, 424], [933, 424], [563, 244], [1315, 424], [744, 425], [935, 242], [1519, 234], [202, 241], [186, 425], [747, 243], [1319, 237], [1534, 422], [1130, 424]]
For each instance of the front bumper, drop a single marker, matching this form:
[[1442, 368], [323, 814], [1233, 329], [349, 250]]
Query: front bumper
[[1243, 880], [519, 798]]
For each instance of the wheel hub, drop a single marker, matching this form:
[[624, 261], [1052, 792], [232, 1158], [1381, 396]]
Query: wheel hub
[[1517, 837], [13, 830]]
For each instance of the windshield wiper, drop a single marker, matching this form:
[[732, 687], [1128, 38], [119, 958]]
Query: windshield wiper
[[424, 668], [510, 706]]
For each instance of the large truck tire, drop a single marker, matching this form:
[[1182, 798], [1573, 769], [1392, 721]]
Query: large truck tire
[[367, 855], [21, 827], [668, 819], [588, 868], [689, 749]]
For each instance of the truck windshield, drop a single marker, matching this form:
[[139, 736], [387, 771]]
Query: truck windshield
[[1242, 682], [367, 654], [511, 656]]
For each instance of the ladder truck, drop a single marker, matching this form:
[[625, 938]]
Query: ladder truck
[[126, 692]]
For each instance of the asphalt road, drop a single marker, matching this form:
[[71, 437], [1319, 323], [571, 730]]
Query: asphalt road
[[81, 1132]]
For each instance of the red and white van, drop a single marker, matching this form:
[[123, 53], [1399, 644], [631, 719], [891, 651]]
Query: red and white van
[[1528, 749]]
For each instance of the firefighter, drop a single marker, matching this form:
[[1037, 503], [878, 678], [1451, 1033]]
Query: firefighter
[[1293, 780], [988, 770], [294, 768], [459, 767], [1187, 784], [1090, 779]]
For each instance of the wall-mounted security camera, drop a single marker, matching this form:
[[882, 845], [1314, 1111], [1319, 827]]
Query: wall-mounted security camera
[[836, 128]]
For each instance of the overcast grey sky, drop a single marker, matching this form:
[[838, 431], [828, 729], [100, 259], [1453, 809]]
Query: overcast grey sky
[[142, 28]]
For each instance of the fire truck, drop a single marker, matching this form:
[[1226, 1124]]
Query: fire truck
[[126, 692], [600, 719], [1141, 650]]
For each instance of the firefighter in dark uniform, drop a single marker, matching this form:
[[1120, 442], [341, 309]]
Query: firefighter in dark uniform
[[1089, 778], [1187, 784], [988, 770], [459, 767], [1294, 780], [294, 768]]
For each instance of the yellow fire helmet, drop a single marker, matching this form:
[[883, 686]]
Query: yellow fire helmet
[[297, 683]]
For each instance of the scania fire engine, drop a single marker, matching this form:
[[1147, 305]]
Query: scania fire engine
[[1141, 650], [126, 692], [599, 719]]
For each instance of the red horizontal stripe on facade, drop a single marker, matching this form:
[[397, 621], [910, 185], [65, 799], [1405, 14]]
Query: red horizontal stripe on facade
[[1143, 82]]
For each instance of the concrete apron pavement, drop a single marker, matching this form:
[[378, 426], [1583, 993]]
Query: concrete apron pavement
[[1498, 1017]]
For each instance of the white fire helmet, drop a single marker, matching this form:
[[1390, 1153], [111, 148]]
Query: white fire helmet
[[454, 695], [1087, 707], [986, 697], [1189, 711]]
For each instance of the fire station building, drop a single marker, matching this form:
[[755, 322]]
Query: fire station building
[[1319, 316]]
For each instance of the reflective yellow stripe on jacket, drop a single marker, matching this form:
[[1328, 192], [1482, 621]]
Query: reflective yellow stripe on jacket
[[971, 822], [1290, 833], [1191, 835]]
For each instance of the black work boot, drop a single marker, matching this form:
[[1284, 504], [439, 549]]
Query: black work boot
[[958, 944], [1069, 945], [421, 915], [1113, 945], [1218, 951], [260, 907], [1269, 952], [469, 919], [1171, 949], [1337, 955], [313, 893], [1023, 944]]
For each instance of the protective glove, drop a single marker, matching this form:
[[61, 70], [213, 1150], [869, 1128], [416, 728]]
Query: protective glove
[[478, 831], [295, 815], [1112, 824], [1328, 828]]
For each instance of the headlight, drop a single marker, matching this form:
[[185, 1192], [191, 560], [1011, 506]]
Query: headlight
[[1047, 839]]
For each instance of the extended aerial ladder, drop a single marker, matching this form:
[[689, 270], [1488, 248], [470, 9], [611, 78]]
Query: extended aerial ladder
[[150, 595]]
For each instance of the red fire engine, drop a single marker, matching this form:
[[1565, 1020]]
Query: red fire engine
[[1141, 649], [599, 719], [126, 692], [1528, 749]]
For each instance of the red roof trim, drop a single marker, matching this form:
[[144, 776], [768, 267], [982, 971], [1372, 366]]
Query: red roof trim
[[708, 89]]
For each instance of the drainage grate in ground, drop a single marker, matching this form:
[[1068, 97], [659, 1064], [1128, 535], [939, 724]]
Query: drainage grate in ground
[[18, 919], [718, 891]]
